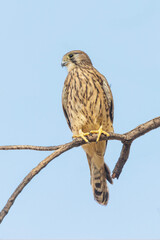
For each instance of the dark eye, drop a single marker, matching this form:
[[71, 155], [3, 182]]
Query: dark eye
[[70, 55]]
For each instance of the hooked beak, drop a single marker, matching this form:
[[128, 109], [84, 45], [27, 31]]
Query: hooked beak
[[63, 63]]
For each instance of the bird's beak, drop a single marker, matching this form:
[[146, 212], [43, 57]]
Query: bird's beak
[[63, 63]]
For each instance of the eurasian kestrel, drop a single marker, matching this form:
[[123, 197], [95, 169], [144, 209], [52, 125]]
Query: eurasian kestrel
[[88, 107]]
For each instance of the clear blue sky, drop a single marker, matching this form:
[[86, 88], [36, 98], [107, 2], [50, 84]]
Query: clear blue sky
[[122, 39]]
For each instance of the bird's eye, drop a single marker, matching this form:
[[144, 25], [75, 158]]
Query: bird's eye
[[70, 55]]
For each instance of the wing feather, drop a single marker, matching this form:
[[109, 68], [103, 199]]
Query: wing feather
[[109, 97], [64, 104]]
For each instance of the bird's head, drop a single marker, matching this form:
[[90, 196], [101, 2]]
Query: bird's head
[[75, 58]]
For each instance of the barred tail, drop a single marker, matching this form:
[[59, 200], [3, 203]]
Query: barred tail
[[99, 184]]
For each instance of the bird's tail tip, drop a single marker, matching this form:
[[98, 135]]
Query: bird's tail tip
[[99, 185]]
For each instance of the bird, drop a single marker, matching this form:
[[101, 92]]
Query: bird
[[88, 107]]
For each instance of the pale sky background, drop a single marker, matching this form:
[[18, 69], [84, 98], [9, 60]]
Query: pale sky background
[[122, 39]]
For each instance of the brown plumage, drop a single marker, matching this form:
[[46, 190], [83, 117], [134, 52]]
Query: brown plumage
[[88, 106]]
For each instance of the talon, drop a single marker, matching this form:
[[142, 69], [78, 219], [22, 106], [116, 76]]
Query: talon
[[99, 132], [82, 135]]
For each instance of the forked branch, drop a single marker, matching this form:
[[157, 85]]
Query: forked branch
[[126, 140]]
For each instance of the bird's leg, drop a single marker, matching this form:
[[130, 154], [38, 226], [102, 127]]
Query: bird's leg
[[82, 135], [99, 132]]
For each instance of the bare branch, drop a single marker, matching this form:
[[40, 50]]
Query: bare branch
[[131, 136], [29, 147], [122, 160], [143, 129], [126, 139], [28, 178]]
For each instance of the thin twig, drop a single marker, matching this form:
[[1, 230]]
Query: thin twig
[[126, 139], [29, 147]]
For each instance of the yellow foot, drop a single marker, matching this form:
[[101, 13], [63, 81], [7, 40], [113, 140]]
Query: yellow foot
[[99, 131], [82, 135]]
